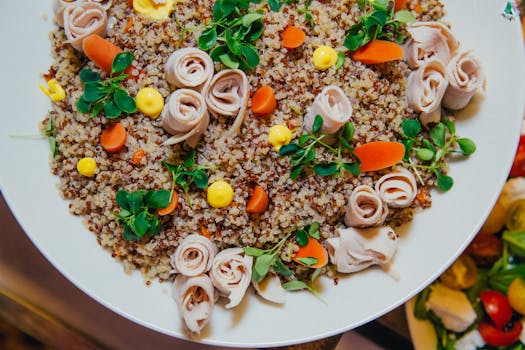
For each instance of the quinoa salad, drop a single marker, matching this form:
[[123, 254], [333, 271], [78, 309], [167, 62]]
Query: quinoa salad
[[234, 144]]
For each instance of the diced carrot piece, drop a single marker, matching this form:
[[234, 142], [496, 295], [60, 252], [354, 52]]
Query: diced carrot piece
[[313, 249], [378, 155]]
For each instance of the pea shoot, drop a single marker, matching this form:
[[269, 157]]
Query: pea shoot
[[275, 5], [107, 95], [428, 152], [135, 215], [186, 174], [231, 33], [379, 21], [49, 132], [303, 152]]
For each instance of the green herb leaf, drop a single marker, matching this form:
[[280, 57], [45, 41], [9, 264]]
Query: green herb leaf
[[87, 76], [125, 102], [352, 168], [227, 7], [340, 60], [289, 148], [121, 62], [122, 200], [301, 237], [308, 261], [251, 251], [295, 285], [128, 234], [348, 131], [316, 274], [450, 125], [467, 146], [425, 154], [200, 178], [445, 182], [229, 60], [318, 124], [296, 171], [93, 91], [405, 17], [52, 145], [380, 5], [135, 201], [438, 135], [313, 230], [281, 269], [250, 56], [111, 110], [140, 224], [97, 108], [208, 38], [516, 242], [411, 127], [275, 5], [158, 199], [263, 263], [155, 225], [82, 105], [325, 169], [249, 18]]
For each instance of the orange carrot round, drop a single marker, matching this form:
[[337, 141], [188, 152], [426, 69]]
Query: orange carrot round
[[137, 156], [379, 51], [313, 249], [205, 232], [263, 101], [378, 155], [113, 138], [293, 37], [258, 202], [399, 4], [171, 207]]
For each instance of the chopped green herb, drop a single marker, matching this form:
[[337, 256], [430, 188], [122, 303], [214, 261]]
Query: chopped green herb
[[107, 95], [296, 285], [303, 155], [428, 151]]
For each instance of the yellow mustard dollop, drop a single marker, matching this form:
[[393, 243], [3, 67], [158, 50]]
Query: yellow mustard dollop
[[87, 166], [150, 102], [154, 9], [279, 135], [220, 194], [54, 90], [324, 57]]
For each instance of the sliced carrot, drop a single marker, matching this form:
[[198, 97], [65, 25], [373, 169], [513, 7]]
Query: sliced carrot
[[137, 156], [171, 207], [379, 51], [130, 3], [113, 138], [205, 232], [313, 249], [378, 155], [263, 101], [399, 4], [258, 202], [100, 51], [293, 37]]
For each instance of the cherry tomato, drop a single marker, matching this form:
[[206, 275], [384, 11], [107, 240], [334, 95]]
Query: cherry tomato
[[518, 166], [485, 250], [497, 307], [462, 274], [498, 337]]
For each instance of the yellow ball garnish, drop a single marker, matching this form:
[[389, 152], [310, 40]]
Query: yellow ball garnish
[[150, 102], [55, 91], [156, 9], [324, 57], [87, 166], [220, 194], [279, 135]]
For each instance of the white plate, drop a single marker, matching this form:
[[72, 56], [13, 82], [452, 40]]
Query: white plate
[[429, 244]]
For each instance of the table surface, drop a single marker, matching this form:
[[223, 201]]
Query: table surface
[[26, 277]]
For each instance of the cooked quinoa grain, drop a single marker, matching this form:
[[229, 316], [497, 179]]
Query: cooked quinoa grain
[[377, 94]]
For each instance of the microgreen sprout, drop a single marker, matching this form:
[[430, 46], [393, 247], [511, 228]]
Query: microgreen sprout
[[231, 33], [107, 95], [379, 21], [303, 152], [428, 151], [49, 133]]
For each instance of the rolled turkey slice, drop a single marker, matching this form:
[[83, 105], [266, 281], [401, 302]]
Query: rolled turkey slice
[[333, 106], [231, 274], [81, 19], [465, 76], [365, 208], [193, 256], [426, 87], [397, 189], [195, 298], [189, 68], [356, 249], [227, 95], [185, 116], [429, 40]]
